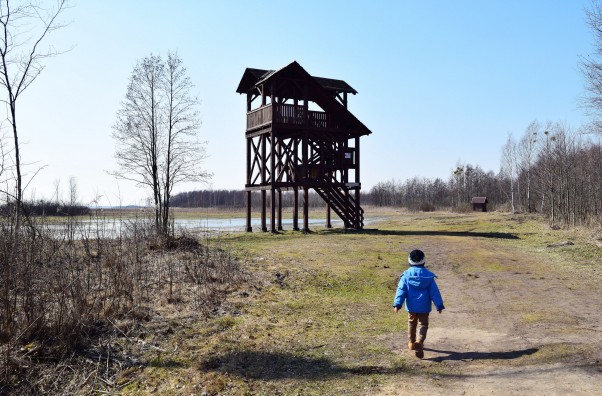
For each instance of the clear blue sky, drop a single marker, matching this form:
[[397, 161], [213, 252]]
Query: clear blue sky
[[438, 81]]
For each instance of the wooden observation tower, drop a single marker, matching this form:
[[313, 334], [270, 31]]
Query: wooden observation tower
[[301, 136]]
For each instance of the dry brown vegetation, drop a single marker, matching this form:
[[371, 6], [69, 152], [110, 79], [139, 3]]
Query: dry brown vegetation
[[67, 295]]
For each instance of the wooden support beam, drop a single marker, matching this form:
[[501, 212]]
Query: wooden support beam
[[249, 203], [280, 210], [304, 157], [305, 209], [263, 181], [264, 228], [273, 177], [296, 210], [249, 143], [272, 210], [262, 131]]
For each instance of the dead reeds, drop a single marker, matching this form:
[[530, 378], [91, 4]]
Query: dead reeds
[[64, 286]]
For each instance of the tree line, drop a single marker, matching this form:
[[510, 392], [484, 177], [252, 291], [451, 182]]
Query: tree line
[[415, 194], [423, 194], [233, 199], [550, 169], [44, 207], [555, 171]]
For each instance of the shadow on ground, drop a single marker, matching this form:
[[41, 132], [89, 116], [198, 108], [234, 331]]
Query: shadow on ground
[[451, 355], [375, 231], [270, 366]]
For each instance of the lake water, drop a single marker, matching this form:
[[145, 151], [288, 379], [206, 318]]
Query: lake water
[[111, 227], [241, 224]]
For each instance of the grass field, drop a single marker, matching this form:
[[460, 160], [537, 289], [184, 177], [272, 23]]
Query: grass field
[[316, 318]]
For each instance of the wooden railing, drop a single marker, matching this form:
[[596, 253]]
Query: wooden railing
[[259, 117], [289, 115]]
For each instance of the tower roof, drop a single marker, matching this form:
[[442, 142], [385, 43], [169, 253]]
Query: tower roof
[[252, 77], [322, 91]]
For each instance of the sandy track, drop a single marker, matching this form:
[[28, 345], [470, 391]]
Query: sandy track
[[513, 325]]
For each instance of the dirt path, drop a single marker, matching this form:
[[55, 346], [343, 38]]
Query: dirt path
[[512, 325]]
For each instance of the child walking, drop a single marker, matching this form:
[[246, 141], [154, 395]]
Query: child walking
[[417, 287]]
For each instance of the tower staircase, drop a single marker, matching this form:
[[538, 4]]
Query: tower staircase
[[343, 203]]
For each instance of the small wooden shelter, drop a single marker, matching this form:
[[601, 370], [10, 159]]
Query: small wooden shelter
[[479, 204], [301, 136]]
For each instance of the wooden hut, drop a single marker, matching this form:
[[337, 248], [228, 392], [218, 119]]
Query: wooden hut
[[301, 136], [479, 204]]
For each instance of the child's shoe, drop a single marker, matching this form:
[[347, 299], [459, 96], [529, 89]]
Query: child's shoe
[[411, 345], [418, 351]]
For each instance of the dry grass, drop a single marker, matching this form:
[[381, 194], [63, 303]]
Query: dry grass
[[76, 309], [317, 322], [316, 315]]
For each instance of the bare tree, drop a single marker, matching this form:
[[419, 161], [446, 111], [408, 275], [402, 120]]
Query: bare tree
[[157, 132], [138, 126], [24, 25], [184, 152], [527, 150], [591, 67], [458, 182], [509, 166]]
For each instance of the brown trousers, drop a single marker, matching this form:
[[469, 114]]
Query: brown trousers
[[421, 319]]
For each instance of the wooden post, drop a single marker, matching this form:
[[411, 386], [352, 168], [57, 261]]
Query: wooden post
[[272, 182], [296, 209], [249, 228], [272, 210], [264, 227], [249, 203], [328, 223], [345, 181], [264, 204], [280, 210], [305, 209], [305, 160], [278, 178], [272, 165], [304, 157]]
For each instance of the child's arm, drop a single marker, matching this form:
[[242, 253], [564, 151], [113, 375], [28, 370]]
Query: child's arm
[[400, 294], [436, 296]]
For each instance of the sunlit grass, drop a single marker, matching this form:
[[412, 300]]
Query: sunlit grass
[[318, 317]]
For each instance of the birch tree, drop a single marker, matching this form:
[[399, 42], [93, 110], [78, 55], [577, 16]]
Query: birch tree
[[526, 154], [157, 132], [509, 166]]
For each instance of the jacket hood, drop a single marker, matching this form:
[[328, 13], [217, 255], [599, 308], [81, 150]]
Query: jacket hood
[[420, 277]]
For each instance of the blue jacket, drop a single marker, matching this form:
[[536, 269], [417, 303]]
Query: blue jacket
[[417, 287]]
